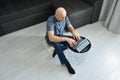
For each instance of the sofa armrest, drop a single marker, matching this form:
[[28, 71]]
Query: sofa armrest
[[96, 4]]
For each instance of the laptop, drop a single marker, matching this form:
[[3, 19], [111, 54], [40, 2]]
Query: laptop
[[81, 44]]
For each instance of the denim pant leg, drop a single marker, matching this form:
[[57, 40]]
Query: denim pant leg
[[65, 44], [59, 51]]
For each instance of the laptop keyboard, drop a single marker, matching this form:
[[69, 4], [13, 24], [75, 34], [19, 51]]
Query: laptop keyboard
[[81, 44], [74, 47]]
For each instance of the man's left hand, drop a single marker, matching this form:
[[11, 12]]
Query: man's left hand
[[76, 36]]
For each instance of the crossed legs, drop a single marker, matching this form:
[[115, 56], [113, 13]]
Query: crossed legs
[[59, 48]]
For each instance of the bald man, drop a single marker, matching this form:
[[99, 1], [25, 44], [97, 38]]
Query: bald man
[[55, 37]]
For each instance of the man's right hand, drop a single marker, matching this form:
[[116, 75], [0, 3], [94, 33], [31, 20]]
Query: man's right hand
[[71, 42]]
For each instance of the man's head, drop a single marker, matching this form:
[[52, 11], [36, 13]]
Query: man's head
[[60, 14]]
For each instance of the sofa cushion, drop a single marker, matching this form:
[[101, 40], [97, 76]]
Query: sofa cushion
[[24, 22], [79, 14], [14, 9]]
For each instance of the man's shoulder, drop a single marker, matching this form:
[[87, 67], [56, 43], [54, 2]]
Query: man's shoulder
[[66, 17], [51, 18], [51, 21]]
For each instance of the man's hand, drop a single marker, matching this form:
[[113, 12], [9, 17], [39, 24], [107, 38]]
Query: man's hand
[[76, 36], [72, 30], [71, 42]]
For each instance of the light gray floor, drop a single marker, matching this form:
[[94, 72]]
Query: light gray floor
[[24, 57]]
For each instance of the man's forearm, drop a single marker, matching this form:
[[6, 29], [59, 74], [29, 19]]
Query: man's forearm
[[58, 39], [71, 29]]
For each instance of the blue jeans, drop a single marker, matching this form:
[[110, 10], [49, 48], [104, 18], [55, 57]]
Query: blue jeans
[[59, 48]]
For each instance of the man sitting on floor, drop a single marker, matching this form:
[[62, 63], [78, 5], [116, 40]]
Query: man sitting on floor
[[54, 35]]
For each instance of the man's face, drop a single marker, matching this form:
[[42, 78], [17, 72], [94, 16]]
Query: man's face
[[60, 14], [61, 17]]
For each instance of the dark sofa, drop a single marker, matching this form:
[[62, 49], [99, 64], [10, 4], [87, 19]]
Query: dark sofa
[[19, 14], [81, 12]]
